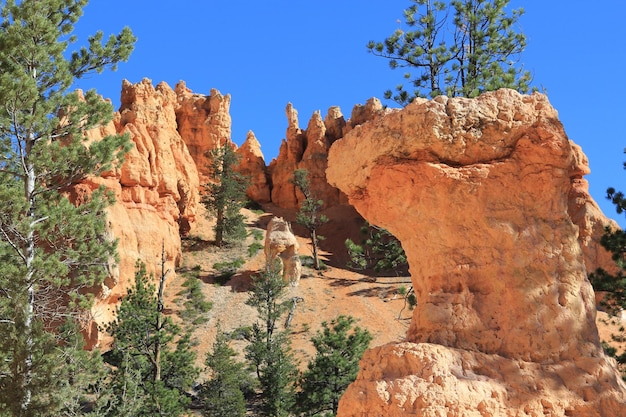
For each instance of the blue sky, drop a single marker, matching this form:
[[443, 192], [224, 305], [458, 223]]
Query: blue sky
[[312, 54]]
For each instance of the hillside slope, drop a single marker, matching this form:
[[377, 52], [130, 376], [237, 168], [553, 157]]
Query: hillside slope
[[375, 302]]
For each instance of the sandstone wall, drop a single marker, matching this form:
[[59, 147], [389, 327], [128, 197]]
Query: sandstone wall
[[156, 190], [203, 123], [484, 195]]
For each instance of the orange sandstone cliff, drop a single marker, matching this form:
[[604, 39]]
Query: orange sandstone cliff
[[488, 199], [156, 190]]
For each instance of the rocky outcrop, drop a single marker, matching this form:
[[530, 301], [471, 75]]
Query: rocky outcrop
[[281, 245], [156, 189], [252, 166], [203, 123], [586, 214], [479, 193], [306, 149]]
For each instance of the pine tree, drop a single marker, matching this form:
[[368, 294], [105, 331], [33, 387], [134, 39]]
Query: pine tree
[[51, 251], [147, 366], [223, 394], [309, 214], [614, 284], [457, 48], [269, 350], [335, 366], [225, 197], [378, 250]]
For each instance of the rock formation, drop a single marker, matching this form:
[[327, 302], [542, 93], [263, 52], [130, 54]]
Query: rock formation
[[203, 122], [479, 192], [586, 214], [282, 245], [252, 165], [306, 149], [156, 189]]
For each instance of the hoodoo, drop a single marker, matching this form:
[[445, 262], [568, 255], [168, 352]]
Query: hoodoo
[[479, 193]]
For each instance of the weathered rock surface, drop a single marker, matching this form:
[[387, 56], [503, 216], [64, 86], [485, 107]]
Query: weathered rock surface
[[252, 165], [156, 189], [586, 214], [281, 244], [306, 149], [480, 194], [204, 123]]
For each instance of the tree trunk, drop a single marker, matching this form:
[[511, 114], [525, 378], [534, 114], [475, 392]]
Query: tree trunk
[[219, 228], [29, 311], [316, 261], [159, 322]]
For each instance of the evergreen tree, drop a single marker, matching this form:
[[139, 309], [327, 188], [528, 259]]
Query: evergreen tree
[[51, 251], [148, 369], [223, 394], [457, 48], [194, 302], [269, 350], [82, 371], [614, 284], [379, 250], [309, 215], [335, 366], [225, 197]]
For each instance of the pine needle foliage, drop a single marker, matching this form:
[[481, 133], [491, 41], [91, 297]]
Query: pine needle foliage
[[339, 348], [378, 250], [269, 349], [226, 196], [309, 214], [614, 240], [455, 48], [153, 360], [223, 393], [52, 252]]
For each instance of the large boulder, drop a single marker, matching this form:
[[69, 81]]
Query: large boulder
[[282, 246], [478, 191]]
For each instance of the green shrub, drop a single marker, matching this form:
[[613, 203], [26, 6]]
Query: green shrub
[[254, 248], [308, 261], [194, 302], [227, 269], [257, 234]]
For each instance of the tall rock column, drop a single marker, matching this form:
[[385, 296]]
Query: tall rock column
[[204, 123], [306, 149], [477, 191], [156, 190]]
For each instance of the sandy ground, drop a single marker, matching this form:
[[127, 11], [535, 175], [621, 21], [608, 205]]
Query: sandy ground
[[375, 302], [323, 296]]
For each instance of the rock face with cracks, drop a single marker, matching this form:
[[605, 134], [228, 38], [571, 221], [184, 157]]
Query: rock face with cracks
[[479, 192], [156, 191]]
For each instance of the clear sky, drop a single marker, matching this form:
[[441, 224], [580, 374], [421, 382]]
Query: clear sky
[[312, 54]]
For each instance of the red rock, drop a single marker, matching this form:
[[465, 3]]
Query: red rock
[[281, 245], [478, 191], [308, 150], [204, 123], [156, 189], [252, 165]]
